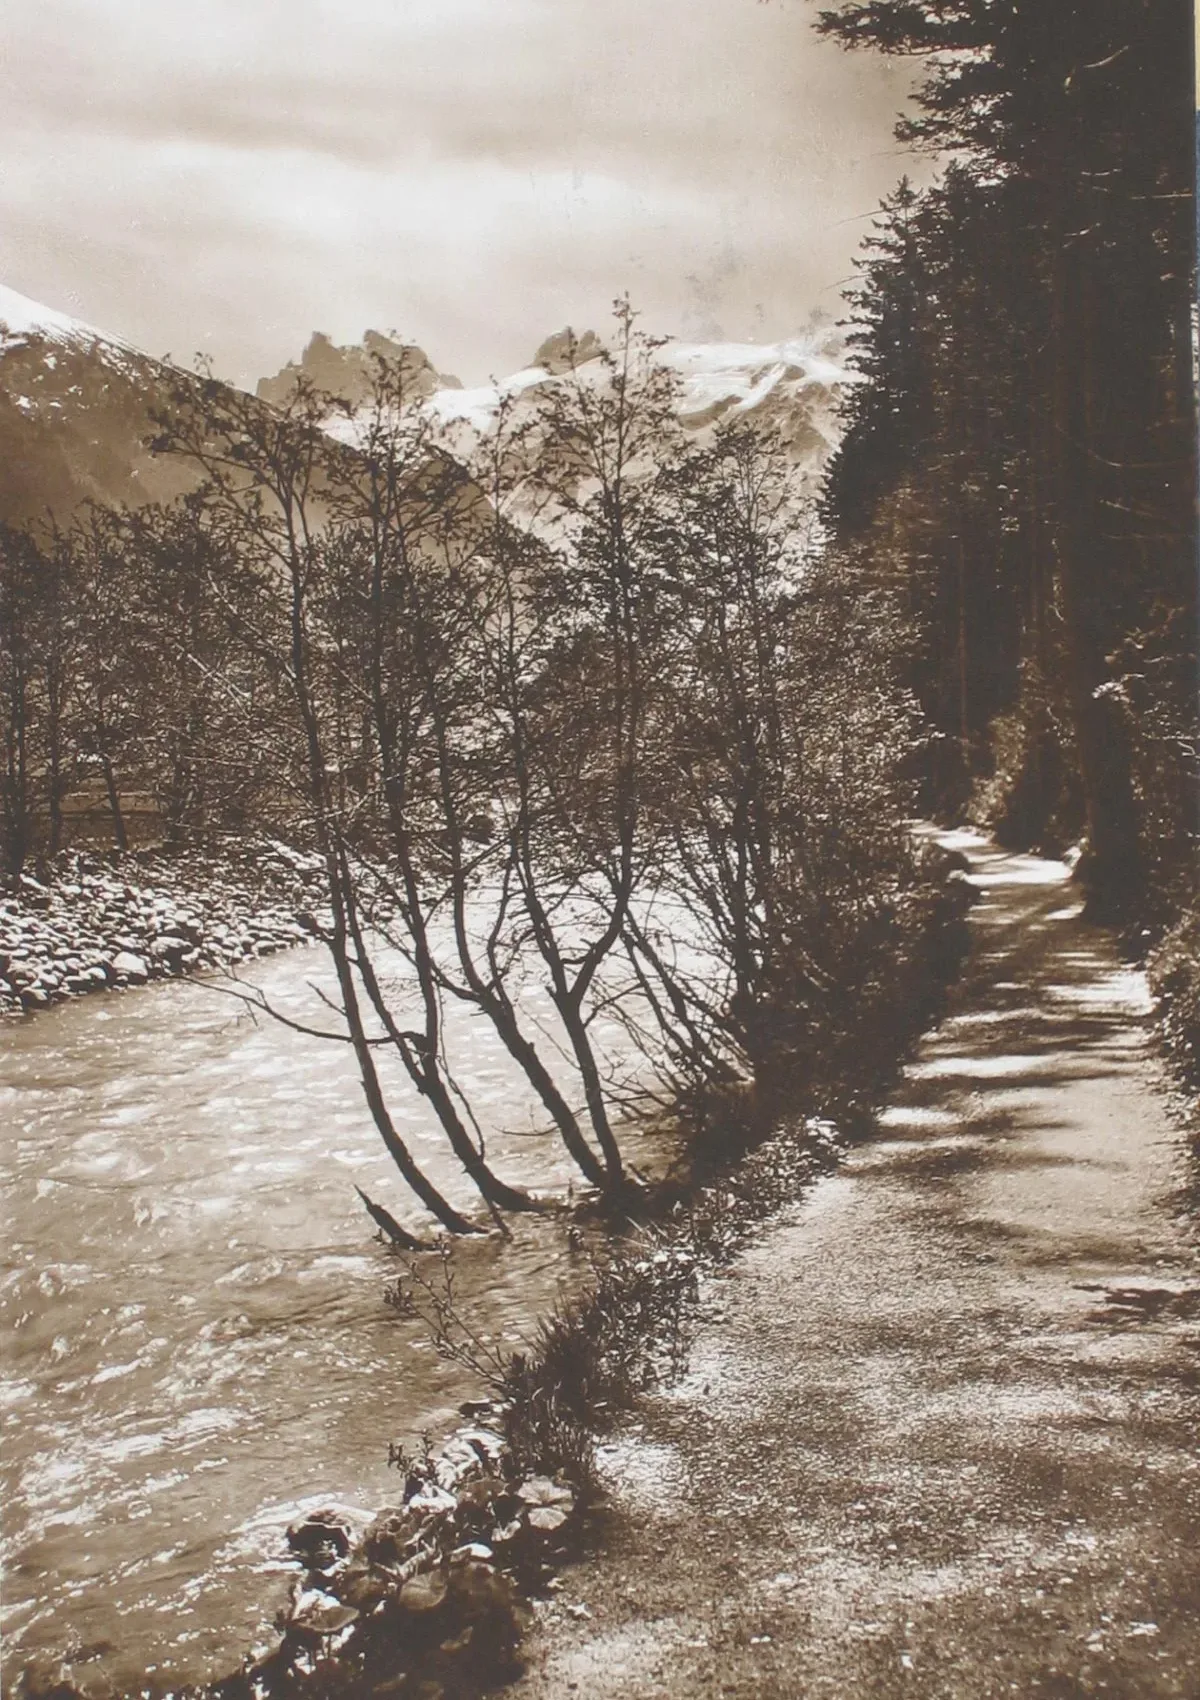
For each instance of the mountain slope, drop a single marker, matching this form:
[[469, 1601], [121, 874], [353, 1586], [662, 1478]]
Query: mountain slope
[[75, 408]]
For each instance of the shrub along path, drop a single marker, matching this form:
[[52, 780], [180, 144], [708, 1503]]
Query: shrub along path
[[938, 1436]]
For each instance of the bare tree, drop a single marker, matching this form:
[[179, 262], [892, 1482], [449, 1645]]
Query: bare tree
[[572, 660], [437, 555], [268, 472]]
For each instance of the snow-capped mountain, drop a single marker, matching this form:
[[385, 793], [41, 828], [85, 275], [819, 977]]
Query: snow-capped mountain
[[75, 408], [21, 319], [793, 386], [76, 402]]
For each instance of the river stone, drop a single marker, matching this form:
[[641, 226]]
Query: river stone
[[431, 1497], [320, 1537], [359, 1585], [480, 1494], [320, 1614], [386, 1539], [540, 1490], [129, 966]]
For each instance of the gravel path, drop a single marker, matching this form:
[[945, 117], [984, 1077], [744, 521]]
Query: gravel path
[[939, 1433]]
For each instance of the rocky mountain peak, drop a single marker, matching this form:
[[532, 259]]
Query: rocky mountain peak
[[348, 371], [564, 350]]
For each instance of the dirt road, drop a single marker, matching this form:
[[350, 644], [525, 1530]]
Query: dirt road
[[939, 1437]]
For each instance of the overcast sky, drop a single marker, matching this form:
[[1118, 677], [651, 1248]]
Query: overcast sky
[[227, 176]]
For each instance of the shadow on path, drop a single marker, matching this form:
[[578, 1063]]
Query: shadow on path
[[939, 1433]]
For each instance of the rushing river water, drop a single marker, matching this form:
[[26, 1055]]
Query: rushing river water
[[196, 1343]]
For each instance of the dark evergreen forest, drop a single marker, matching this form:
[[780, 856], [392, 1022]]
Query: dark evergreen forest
[[1020, 464]]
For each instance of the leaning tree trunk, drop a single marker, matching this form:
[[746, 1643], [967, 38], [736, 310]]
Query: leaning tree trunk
[[424, 1188], [422, 1065]]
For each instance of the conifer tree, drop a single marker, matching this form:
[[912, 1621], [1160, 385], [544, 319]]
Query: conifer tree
[[1045, 516]]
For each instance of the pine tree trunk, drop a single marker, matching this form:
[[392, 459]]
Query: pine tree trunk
[[1111, 870]]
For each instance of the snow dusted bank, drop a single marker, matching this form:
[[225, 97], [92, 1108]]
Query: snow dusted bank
[[98, 921]]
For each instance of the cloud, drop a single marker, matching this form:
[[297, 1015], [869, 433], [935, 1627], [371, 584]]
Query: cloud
[[473, 173]]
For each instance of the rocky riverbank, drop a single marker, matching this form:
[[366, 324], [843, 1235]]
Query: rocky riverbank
[[95, 922]]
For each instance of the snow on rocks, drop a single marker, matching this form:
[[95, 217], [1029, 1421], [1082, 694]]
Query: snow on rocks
[[119, 921], [129, 967]]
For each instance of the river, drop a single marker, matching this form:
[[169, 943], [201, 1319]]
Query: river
[[196, 1342]]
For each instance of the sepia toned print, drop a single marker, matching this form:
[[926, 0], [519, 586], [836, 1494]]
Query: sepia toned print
[[599, 950]]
